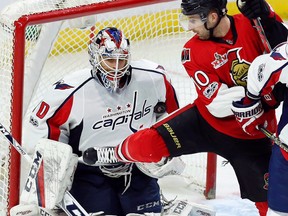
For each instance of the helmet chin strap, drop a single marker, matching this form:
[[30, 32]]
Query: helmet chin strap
[[211, 30]]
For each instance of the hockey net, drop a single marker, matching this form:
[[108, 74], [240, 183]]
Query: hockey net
[[42, 40]]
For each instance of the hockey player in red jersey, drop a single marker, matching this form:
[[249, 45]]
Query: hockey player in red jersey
[[100, 107], [267, 72], [217, 58]]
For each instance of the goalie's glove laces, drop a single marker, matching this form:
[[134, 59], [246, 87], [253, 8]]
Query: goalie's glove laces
[[98, 156], [117, 171], [106, 155]]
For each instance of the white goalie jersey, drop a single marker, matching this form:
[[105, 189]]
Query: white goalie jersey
[[79, 111]]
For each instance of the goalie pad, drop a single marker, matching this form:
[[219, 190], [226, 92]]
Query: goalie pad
[[30, 210], [181, 208], [51, 174], [166, 166]]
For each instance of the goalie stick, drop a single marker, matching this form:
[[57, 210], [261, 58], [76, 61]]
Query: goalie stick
[[68, 204]]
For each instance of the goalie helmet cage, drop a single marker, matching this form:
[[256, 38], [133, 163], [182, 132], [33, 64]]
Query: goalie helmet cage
[[39, 36]]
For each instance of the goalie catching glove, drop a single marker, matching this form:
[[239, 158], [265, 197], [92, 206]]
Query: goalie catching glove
[[166, 166], [101, 156], [250, 115]]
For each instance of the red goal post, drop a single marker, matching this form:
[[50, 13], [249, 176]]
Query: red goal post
[[153, 28]]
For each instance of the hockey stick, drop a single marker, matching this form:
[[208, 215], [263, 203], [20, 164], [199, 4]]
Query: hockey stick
[[68, 204], [262, 35], [259, 29], [274, 138]]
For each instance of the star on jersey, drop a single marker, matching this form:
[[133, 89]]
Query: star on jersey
[[118, 108]]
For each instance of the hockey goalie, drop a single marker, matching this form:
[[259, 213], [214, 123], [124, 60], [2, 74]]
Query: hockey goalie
[[99, 106]]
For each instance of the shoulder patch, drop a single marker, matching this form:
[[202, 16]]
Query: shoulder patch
[[277, 56], [185, 55], [160, 67], [61, 85]]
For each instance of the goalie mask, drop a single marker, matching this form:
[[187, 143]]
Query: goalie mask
[[110, 57]]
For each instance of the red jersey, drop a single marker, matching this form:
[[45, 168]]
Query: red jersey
[[219, 70]]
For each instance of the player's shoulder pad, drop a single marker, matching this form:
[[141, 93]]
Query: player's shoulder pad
[[271, 62], [257, 65], [148, 66], [74, 80], [67, 86]]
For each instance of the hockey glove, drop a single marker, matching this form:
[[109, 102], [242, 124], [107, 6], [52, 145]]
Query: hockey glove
[[165, 167], [273, 99], [249, 116], [255, 8]]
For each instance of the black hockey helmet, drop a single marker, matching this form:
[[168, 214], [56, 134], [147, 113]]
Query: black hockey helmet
[[202, 7]]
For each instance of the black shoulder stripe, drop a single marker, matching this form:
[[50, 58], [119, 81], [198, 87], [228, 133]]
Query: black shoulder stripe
[[149, 70]]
